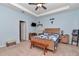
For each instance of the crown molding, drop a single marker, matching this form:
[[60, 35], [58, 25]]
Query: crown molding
[[46, 13], [56, 10], [22, 8]]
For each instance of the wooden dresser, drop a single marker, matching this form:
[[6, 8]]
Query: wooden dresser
[[64, 38]]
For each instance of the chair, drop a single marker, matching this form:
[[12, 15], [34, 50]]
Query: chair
[[32, 34], [75, 36]]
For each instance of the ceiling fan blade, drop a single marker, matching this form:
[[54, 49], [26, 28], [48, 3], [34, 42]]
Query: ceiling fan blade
[[44, 7], [36, 8]]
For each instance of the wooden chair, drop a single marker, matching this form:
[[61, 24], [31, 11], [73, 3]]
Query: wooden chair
[[32, 34], [75, 37]]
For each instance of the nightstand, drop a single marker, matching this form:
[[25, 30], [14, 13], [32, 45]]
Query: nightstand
[[64, 38]]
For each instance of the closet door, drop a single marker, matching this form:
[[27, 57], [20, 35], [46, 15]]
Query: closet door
[[22, 30]]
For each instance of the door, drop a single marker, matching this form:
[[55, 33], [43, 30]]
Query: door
[[22, 30]]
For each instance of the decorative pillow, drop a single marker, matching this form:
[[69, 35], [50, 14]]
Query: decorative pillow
[[56, 34], [53, 37], [46, 34]]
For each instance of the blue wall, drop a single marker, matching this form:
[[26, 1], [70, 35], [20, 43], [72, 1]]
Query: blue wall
[[66, 21], [9, 26]]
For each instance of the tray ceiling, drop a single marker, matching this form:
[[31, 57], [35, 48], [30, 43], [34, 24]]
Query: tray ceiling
[[51, 8]]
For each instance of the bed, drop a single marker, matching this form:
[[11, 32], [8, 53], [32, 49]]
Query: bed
[[48, 39]]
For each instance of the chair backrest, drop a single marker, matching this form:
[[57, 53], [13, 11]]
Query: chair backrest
[[75, 32], [78, 32]]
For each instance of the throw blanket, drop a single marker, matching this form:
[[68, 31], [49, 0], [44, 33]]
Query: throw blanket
[[53, 37]]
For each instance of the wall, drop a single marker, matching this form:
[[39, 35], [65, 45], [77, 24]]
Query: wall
[[66, 21], [9, 24]]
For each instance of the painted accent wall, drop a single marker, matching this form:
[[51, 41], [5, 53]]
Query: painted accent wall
[[9, 24], [66, 21]]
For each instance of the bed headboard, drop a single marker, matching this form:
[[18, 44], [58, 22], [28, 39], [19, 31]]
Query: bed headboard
[[52, 30]]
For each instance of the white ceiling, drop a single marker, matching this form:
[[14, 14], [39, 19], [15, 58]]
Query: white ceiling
[[51, 8]]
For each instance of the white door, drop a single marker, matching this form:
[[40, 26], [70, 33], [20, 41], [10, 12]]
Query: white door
[[23, 31]]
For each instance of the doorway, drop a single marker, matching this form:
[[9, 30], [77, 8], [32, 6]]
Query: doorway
[[22, 30]]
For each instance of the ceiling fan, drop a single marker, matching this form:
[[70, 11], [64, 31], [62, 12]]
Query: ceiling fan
[[38, 5]]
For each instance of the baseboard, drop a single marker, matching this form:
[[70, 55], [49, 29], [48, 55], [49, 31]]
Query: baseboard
[[2, 45]]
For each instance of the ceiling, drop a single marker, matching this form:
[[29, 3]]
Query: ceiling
[[51, 8]]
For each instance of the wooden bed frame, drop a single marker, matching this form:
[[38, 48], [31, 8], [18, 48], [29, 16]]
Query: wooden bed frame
[[52, 30], [45, 44]]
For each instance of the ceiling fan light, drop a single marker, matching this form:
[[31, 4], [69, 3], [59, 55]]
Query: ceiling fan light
[[39, 5]]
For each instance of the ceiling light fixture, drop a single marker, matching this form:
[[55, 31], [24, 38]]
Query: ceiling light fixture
[[39, 5]]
